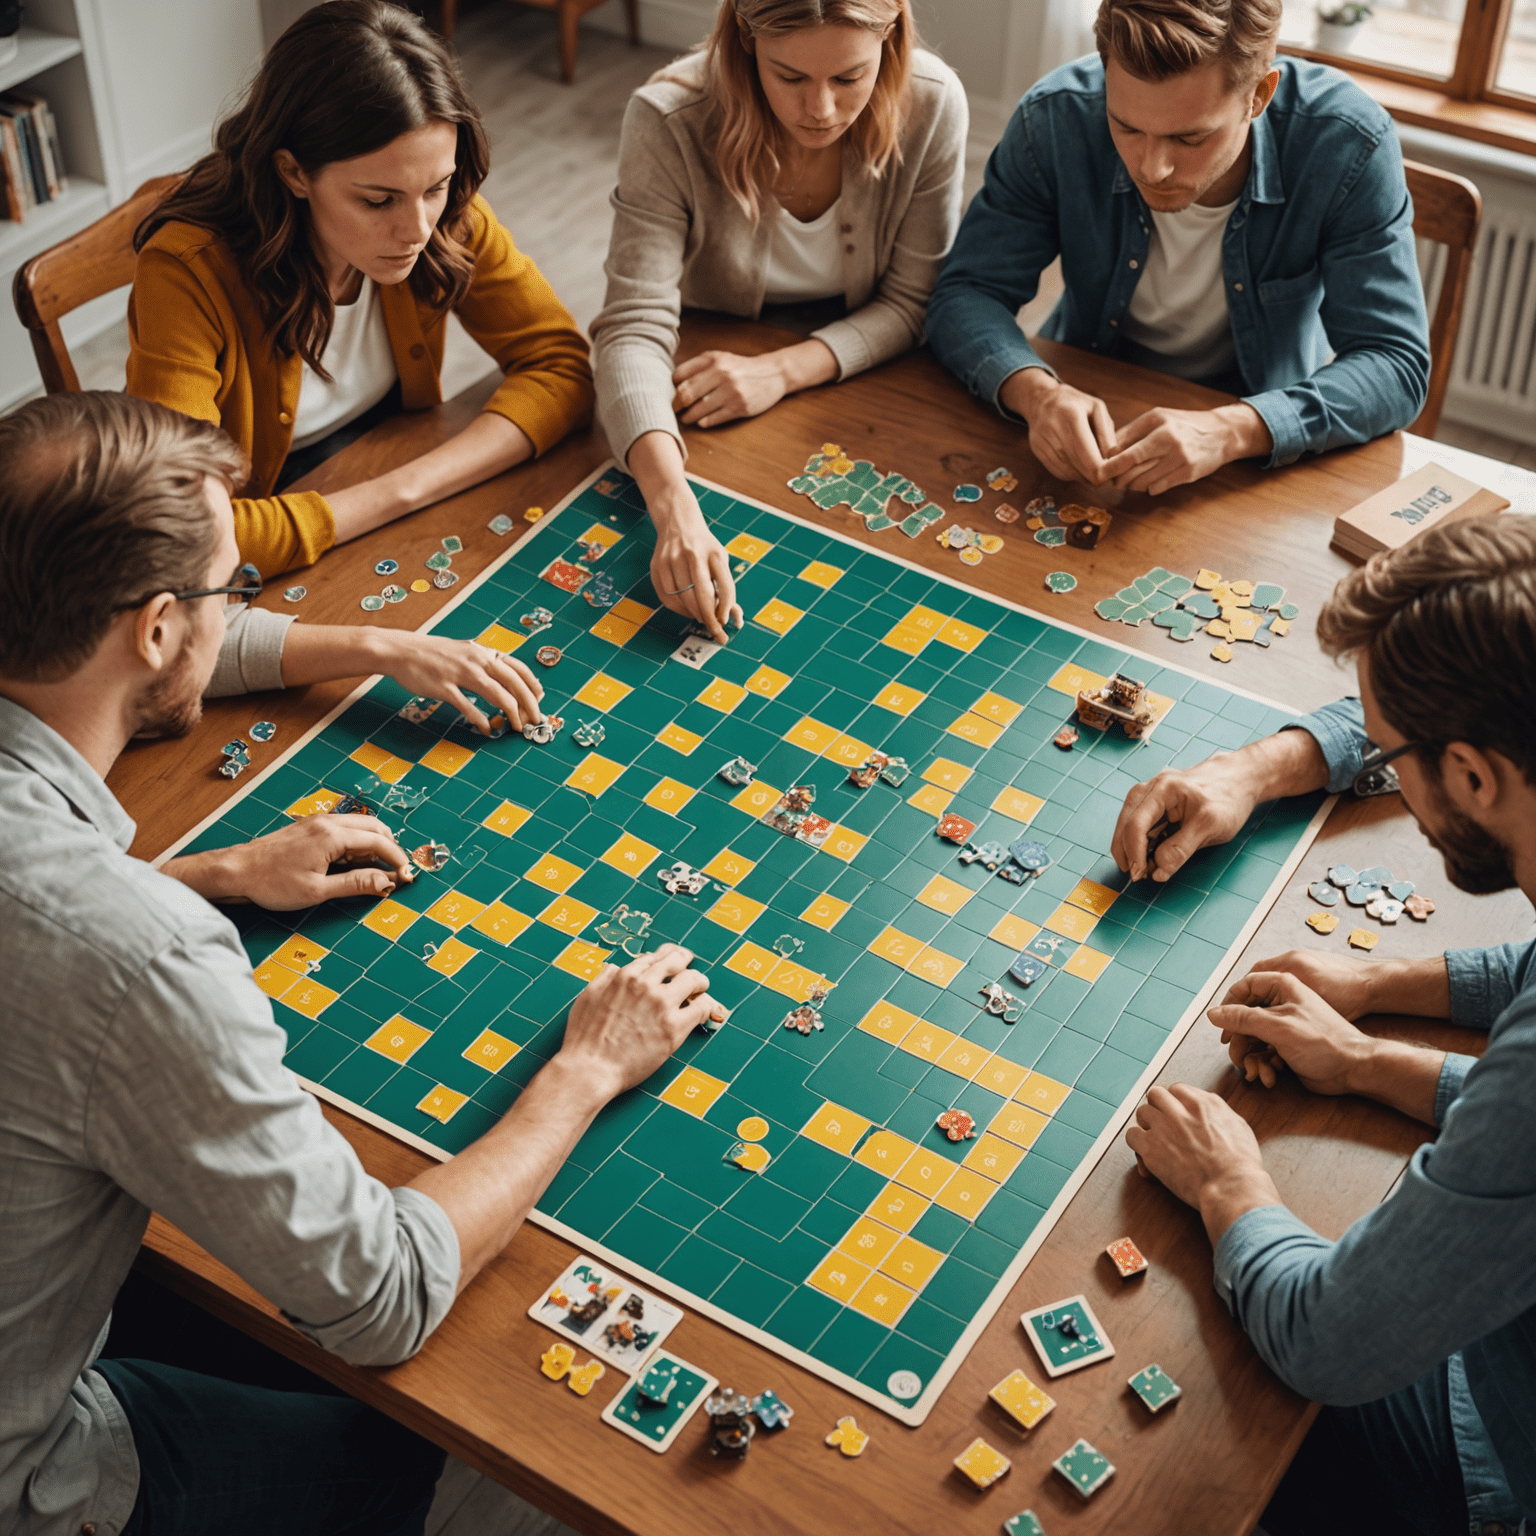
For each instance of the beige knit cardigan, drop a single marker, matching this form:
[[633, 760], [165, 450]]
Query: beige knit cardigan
[[679, 238]]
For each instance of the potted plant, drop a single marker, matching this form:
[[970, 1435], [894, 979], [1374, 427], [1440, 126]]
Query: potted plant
[[1338, 26]]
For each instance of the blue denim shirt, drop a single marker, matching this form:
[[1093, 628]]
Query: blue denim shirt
[[1318, 257]]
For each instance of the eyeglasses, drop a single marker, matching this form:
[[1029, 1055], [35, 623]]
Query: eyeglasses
[[246, 593], [1376, 775]]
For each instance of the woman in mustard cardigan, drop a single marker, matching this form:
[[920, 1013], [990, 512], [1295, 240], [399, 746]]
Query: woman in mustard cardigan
[[295, 287]]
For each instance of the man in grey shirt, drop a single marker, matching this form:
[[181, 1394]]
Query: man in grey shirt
[[140, 1066]]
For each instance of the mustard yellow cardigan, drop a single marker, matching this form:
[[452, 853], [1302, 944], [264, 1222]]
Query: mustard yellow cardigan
[[198, 344]]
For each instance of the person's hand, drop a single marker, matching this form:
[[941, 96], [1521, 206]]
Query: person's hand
[[1271, 1019], [435, 667], [315, 859], [1348, 987], [716, 387], [1210, 802], [1070, 432], [630, 1019], [691, 571], [1163, 448]]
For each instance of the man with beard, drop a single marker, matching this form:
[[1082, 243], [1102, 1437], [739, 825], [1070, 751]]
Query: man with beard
[[140, 1065], [1418, 1327]]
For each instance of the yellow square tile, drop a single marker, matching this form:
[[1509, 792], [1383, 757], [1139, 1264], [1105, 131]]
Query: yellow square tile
[[966, 1194], [945, 774], [753, 961], [1022, 1400], [693, 1091], [736, 912], [885, 1152], [499, 638], [446, 758], [1087, 964], [443, 1103], [945, 895], [567, 914], [756, 798], [911, 1262], [679, 739], [811, 734], [490, 1050], [506, 818], [1092, 897], [554, 873], [848, 750], [898, 1207], [882, 1299], [1042, 1093], [452, 956], [1000, 1076], [399, 1039], [927, 1040], [888, 1022], [1071, 922], [669, 795], [1072, 679], [964, 637], [896, 946], [454, 909], [932, 799], [906, 638], [899, 698], [594, 774], [722, 695], [993, 706], [631, 855], [795, 981], [935, 966], [926, 1173], [835, 1127], [983, 1464], [963, 1057], [317, 804], [820, 574], [308, 997], [1013, 930], [390, 918], [779, 616], [1018, 1123], [843, 843], [631, 612], [928, 620], [600, 533], [994, 1157], [614, 630], [824, 912], [385, 764], [867, 1241], [745, 547], [768, 682], [579, 958], [602, 692], [973, 728], [1018, 805], [295, 954], [729, 868], [501, 922], [838, 1276]]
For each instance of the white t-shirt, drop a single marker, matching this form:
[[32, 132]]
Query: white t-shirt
[[1179, 308], [361, 366], [805, 261]]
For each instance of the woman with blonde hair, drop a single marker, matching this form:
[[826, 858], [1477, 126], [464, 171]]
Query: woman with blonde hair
[[802, 166]]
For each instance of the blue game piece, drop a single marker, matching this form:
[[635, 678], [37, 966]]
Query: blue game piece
[[1027, 968], [1377, 874], [1321, 891], [967, 493], [771, 1412], [265, 730], [386, 567], [1343, 876], [1013, 874], [1400, 890], [1030, 855], [1361, 892]]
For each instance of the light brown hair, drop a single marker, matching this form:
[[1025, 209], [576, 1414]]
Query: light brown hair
[[750, 140], [347, 78], [1447, 624], [103, 507], [1158, 39]]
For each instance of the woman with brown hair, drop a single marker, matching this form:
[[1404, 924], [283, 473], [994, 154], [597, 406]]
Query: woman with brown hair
[[803, 167], [296, 285]]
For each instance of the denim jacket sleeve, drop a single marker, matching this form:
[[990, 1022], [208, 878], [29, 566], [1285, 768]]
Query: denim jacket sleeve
[[1339, 730]]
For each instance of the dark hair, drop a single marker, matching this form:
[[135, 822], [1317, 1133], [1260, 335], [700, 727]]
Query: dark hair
[[102, 507], [1447, 624], [347, 78], [1158, 39]]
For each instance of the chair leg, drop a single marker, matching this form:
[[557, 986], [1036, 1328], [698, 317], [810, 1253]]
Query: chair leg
[[570, 23], [447, 11], [632, 16]]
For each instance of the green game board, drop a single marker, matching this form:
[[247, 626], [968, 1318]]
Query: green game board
[[870, 1248]]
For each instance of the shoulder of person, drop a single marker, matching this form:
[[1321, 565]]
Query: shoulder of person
[[932, 86], [1076, 87], [200, 250], [677, 87], [1310, 95]]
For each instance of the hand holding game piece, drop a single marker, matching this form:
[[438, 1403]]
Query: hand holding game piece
[[1275, 1012], [436, 667], [1163, 448], [690, 569], [1070, 433]]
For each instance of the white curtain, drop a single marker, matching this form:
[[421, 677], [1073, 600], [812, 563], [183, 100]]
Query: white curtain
[[1067, 33]]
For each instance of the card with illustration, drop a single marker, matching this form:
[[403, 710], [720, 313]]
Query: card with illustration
[[613, 1319]]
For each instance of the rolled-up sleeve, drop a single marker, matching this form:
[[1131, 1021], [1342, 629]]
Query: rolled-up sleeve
[[1339, 731], [192, 1112], [251, 657]]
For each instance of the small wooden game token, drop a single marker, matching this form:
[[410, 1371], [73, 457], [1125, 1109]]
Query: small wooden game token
[[1021, 1399], [584, 1377], [533, 514], [1126, 1257], [1363, 938], [419, 585], [956, 1124], [1221, 652], [1025, 1523], [548, 655], [1322, 922], [1155, 1387], [981, 1463], [1084, 1468], [753, 1128], [557, 1360], [848, 1438], [1419, 907]]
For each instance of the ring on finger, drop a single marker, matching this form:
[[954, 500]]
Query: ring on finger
[[680, 590]]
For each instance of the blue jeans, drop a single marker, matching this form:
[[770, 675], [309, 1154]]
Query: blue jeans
[[218, 1456]]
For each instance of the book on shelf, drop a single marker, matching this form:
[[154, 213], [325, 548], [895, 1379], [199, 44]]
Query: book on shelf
[[31, 164]]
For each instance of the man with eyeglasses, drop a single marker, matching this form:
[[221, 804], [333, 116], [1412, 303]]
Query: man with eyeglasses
[[140, 1065], [1417, 1328]]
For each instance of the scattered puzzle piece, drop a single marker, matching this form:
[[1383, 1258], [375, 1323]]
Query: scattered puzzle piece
[[1155, 1387], [848, 1438], [1126, 1257], [981, 1463], [1322, 922], [956, 1124], [1021, 1399], [1363, 938], [584, 1377], [1419, 907], [1023, 1524], [1060, 581], [1324, 892], [1220, 652], [557, 1359], [1084, 1468]]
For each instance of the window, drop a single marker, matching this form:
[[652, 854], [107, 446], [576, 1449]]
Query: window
[[1517, 58]]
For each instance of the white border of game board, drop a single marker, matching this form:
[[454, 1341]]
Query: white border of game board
[[919, 1410]]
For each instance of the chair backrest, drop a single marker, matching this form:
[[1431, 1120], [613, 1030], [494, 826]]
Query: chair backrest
[[1447, 210], [91, 262]]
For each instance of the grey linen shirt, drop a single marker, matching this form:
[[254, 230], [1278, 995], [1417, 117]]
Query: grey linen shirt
[[680, 238], [141, 1069]]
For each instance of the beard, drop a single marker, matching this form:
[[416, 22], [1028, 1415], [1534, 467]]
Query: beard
[[1475, 860], [173, 704]]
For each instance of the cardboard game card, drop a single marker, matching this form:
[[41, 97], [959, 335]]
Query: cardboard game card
[[617, 1322], [656, 1421], [1066, 1335], [695, 651], [568, 577]]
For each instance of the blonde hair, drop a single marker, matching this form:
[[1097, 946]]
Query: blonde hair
[[750, 140], [1158, 39]]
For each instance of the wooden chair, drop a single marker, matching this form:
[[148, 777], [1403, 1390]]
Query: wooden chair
[[1447, 210], [92, 262], [569, 14]]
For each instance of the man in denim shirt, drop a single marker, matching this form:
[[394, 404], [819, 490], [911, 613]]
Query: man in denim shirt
[[1418, 1327], [1220, 215]]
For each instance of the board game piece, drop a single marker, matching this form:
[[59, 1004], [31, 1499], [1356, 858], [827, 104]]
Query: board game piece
[[1322, 922], [430, 857], [1029, 854], [1024, 1523], [421, 586], [1005, 513], [1343, 876], [730, 1424], [1363, 938], [967, 493], [372, 603], [1066, 738], [998, 1000], [1021, 1399], [1400, 890], [803, 1019], [536, 619], [1325, 892], [557, 1360], [1221, 652], [443, 580], [589, 733], [1084, 535], [1377, 874], [452, 544], [295, 594], [1419, 907], [1052, 538], [584, 1377], [439, 560], [500, 525], [1126, 1257], [682, 879], [1003, 480], [1383, 908], [657, 1424], [394, 593], [1084, 1468], [1155, 1387], [656, 1384], [848, 1437], [386, 567], [533, 514], [981, 1463], [542, 732], [955, 829], [771, 1411], [956, 1125], [1066, 1335], [1027, 969], [1121, 701], [548, 655]]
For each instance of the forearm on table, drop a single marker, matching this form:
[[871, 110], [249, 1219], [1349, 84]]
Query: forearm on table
[[1287, 763], [806, 364], [321, 653], [656, 462]]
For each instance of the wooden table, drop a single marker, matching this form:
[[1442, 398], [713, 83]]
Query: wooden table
[[1207, 1465]]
